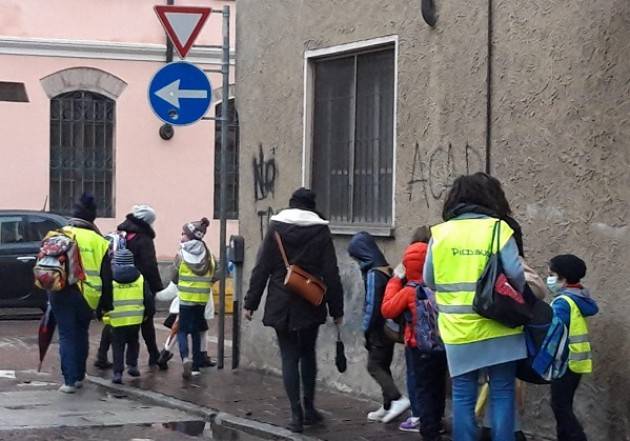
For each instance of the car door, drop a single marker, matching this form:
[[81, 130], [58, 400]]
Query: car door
[[17, 257]]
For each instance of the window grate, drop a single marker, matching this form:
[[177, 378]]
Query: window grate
[[232, 160], [81, 150], [353, 132]]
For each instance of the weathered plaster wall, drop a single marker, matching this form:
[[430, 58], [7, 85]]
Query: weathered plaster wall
[[561, 146], [560, 104]]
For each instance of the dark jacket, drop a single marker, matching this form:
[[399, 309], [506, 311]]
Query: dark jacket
[[309, 246], [376, 273], [105, 302], [140, 237], [128, 275]]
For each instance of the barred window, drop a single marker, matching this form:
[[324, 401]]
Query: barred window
[[353, 137], [81, 150], [232, 163]]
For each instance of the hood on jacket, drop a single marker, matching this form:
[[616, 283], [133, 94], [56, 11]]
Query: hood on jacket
[[135, 225], [363, 248], [125, 273], [297, 216], [196, 256], [582, 298], [413, 261]]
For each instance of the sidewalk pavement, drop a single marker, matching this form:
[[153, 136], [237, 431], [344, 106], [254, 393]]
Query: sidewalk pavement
[[259, 397]]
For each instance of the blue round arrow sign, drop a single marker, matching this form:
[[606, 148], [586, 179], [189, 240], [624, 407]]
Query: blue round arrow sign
[[180, 93]]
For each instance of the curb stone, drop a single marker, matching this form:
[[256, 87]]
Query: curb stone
[[214, 416]]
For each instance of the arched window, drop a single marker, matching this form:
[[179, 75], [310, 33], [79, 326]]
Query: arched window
[[232, 161], [81, 150]]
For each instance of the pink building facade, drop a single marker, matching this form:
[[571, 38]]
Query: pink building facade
[[86, 67]]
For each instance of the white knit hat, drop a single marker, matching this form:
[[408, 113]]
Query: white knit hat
[[144, 212]]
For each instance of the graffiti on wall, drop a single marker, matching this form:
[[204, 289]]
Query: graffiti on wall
[[433, 174], [265, 174], [264, 217]]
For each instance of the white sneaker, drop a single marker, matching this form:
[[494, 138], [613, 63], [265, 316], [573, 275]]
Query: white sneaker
[[397, 408], [187, 374], [67, 389], [377, 415]]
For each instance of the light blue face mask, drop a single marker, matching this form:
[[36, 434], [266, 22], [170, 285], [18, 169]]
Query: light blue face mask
[[553, 284]]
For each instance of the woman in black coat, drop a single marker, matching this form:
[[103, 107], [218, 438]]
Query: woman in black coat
[[308, 243]]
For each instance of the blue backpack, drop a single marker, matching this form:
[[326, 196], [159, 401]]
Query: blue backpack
[[426, 328]]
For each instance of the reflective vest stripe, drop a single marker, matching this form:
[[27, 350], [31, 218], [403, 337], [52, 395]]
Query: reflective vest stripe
[[119, 314], [92, 273], [132, 302], [195, 290], [579, 356], [460, 250], [455, 309], [456, 287], [195, 279], [579, 339]]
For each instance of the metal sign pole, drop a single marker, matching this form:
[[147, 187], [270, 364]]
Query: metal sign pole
[[225, 121]]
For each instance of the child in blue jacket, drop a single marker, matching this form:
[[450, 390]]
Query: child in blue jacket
[[572, 304]]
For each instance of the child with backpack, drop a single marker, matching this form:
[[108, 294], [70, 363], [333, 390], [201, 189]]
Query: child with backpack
[[572, 305], [194, 267], [376, 272], [422, 341], [132, 303]]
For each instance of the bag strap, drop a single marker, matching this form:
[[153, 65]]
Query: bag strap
[[281, 248]]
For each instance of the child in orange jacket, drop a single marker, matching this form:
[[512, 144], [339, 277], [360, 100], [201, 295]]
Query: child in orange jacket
[[429, 367]]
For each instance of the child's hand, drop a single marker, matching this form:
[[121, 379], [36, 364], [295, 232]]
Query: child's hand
[[249, 314], [400, 271]]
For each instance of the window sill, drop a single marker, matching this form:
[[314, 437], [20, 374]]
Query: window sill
[[350, 230]]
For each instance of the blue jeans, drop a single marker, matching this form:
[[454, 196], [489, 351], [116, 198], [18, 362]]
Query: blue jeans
[[411, 383], [502, 379], [190, 323], [73, 316]]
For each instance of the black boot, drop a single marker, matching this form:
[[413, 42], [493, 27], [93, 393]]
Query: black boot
[[206, 361], [163, 359], [311, 415], [297, 420], [103, 364]]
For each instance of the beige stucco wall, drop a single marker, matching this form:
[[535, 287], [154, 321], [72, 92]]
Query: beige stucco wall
[[176, 176], [559, 104]]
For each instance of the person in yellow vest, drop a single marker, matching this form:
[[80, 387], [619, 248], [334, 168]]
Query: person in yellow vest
[[74, 306], [195, 268], [572, 304], [458, 254], [131, 300]]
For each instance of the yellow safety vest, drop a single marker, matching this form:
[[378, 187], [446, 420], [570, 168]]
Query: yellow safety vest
[[460, 252], [93, 247], [128, 303], [580, 360], [194, 289]]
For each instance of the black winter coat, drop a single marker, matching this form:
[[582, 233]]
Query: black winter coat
[[143, 249], [310, 247]]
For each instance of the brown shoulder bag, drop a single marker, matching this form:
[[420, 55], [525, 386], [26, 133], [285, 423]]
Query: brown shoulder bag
[[300, 282]]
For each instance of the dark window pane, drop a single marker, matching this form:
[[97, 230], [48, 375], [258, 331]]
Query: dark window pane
[[12, 229], [15, 92], [353, 137], [232, 163], [81, 150], [38, 227]]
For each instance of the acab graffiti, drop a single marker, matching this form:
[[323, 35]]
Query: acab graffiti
[[265, 173], [434, 173]]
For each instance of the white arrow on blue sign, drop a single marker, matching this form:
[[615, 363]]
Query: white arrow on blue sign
[[180, 93]]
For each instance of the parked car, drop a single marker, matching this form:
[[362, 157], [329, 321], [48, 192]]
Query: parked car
[[21, 233]]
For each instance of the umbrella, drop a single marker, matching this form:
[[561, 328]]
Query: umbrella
[[340, 357], [45, 334]]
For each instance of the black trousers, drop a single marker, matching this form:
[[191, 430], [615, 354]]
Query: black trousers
[[430, 371], [148, 335], [125, 337], [299, 360], [106, 341], [568, 428], [380, 355]]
